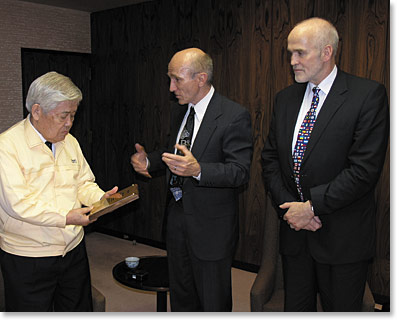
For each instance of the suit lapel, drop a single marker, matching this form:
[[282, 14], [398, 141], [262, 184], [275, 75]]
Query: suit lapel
[[333, 102], [207, 127]]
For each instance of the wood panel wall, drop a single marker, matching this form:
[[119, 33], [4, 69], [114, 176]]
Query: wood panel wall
[[131, 49]]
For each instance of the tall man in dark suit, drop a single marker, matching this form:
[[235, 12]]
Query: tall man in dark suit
[[321, 162], [212, 137]]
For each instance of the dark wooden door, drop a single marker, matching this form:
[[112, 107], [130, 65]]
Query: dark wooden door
[[36, 62]]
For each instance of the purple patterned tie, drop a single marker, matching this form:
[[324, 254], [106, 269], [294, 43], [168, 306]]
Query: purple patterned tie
[[303, 137]]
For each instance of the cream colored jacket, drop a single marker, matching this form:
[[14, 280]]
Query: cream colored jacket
[[37, 191]]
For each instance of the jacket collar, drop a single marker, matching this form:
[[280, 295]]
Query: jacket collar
[[33, 139]]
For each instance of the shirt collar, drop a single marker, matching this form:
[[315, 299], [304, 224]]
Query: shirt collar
[[201, 107], [326, 84]]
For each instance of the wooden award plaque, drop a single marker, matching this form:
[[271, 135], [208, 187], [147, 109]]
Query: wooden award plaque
[[117, 200]]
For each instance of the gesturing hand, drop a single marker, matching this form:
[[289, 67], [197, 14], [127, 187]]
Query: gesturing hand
[[184, 165], [139, 161]]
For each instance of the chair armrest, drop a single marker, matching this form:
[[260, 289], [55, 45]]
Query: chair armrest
[[368, 300], [263, 286]]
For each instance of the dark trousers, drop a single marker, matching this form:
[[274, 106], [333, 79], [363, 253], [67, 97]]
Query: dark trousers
[[341, 287], [42, 284], [195, 285]]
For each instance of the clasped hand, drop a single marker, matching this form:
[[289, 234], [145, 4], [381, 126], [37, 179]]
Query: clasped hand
[[300, 216], [184, 165]]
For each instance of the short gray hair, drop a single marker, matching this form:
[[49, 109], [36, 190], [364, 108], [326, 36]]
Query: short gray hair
[[200, 62], [51, 89]]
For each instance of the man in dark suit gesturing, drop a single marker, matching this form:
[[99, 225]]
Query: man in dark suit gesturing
[[208, 155], [321, 162]]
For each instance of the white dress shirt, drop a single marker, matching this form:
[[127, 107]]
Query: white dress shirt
[[200, 109], [325, 87]]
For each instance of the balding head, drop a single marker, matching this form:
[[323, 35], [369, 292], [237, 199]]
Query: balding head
[[194, 59], [312, 44], [320, 31], [190, 73]]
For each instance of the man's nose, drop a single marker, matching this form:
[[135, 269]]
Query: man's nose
[[172, 86], [70, 121], [293, 60]]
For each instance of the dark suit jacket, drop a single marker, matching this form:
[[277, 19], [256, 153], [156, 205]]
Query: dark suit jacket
[[340, 169], [223, 147]]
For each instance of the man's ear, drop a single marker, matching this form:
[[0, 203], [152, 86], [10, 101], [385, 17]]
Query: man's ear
[[203, 77], [36, 111], [327, 52]]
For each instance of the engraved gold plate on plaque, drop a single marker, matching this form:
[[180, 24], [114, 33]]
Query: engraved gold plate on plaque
[[117, 200]]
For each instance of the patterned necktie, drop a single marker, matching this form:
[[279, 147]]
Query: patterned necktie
[[186, 140], [303, 138]]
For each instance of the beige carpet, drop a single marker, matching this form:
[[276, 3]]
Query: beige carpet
[[105, 252]]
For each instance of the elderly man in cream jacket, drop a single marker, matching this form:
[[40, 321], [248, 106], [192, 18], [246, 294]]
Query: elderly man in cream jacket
[[44, 182]]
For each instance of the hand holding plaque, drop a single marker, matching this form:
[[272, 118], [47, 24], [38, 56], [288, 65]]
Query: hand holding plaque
[[117, 200]]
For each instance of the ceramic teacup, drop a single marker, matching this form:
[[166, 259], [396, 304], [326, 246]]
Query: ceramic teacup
[[132, 262]]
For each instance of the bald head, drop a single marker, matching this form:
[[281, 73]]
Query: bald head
[[312, 44], [195, 60], [319, 33], [190, 73]]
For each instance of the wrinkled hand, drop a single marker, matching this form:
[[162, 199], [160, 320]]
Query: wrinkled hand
[[79, 217], [314, 224], [110, 193], [299, 216], [184, 165], [139, 161]]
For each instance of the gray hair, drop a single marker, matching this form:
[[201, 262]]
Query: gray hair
[[204, 64], [51, 89], [200, 62]]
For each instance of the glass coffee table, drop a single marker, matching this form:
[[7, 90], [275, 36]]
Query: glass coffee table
[[156, 279]]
